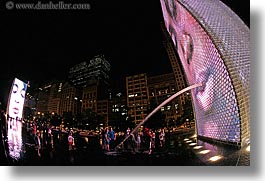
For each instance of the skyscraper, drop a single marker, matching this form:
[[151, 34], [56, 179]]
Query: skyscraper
[[89, 72], [161, 87]]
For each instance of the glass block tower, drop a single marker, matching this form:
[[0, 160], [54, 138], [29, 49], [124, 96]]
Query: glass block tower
[[213, 44]]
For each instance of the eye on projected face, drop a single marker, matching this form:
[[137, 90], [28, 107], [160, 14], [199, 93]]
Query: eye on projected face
[[191, 43], [17, 97]]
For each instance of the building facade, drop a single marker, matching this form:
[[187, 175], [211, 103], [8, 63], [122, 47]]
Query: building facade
[[103, 111], [70, 100], [137, 97], [161, 87], [90, 71], [43, 99], [55, 98], [118, 112]]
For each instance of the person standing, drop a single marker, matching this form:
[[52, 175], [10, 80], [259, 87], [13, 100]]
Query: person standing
[[128, 131], [38, 143], [34, 130], [71, 146], [162, 138], [103, 138], [49, 134], [70, 141], [112, 137], [152, 141], [138, 141], [107, 138]]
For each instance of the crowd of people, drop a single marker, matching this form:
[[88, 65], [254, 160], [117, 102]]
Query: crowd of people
[[146, 139], [142, 140]]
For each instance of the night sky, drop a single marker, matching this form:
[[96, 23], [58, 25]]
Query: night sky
[[42, 45]]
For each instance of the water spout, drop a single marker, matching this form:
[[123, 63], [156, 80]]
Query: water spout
[[158, 107]]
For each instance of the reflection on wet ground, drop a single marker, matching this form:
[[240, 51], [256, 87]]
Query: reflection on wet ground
[[180, 150]]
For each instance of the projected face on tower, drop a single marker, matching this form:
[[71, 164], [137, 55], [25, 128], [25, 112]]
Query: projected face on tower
[[17, 96], [215, 102], [15, 113], [197, 53]]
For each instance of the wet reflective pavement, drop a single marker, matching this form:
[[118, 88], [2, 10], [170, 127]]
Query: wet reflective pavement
[[180, 149]]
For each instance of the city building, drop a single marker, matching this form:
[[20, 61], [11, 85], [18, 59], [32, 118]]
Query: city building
[[102, 111], [55, 98], [118, 112], [91, 78], [137, 97], [70, 102], [161, 87], [30, 106], [43, 99], [49, 97], [89, 98], [90, 71]]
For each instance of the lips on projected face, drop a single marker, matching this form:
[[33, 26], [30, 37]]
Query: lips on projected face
[[15, 110]]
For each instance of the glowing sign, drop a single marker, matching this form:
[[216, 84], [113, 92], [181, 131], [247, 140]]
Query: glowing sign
[[213, 46]]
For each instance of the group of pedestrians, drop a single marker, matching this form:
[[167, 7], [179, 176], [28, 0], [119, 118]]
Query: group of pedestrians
[[153, 137], [108, 137], [40, 141], [146, 139]]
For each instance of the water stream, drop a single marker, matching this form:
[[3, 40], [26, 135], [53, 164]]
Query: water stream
[[157, 108]]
